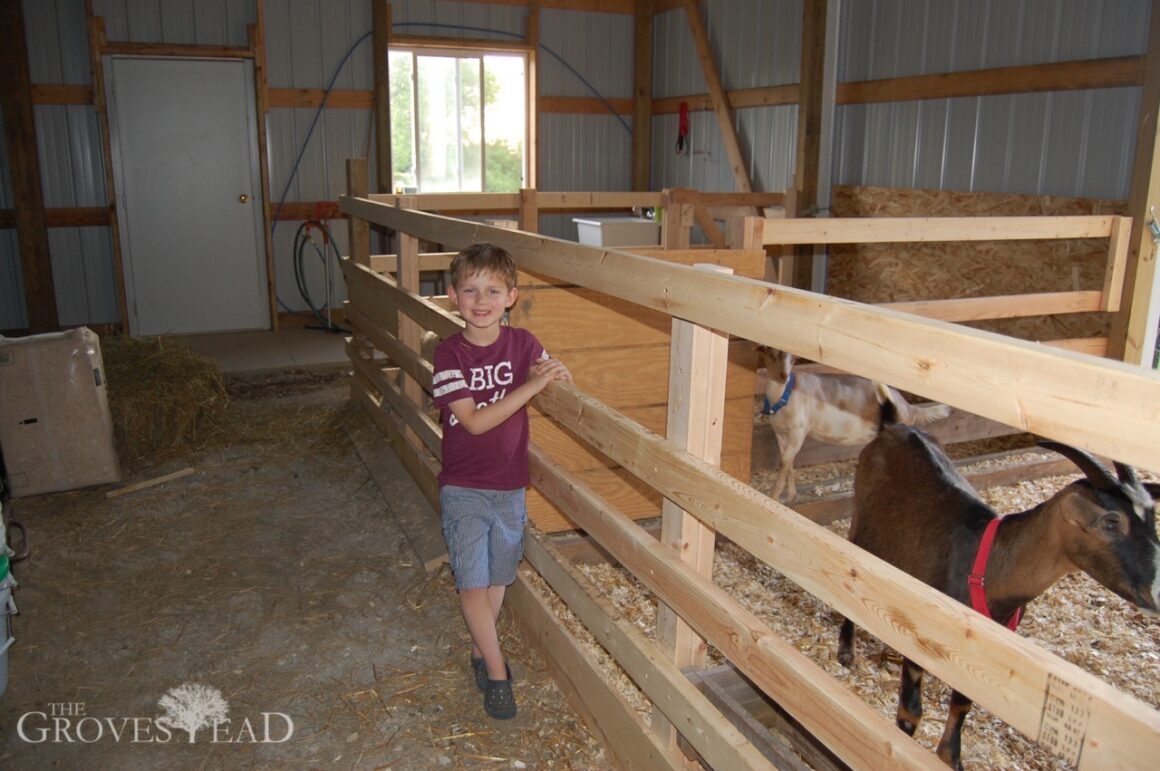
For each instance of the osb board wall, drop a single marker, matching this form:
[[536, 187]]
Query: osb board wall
[[618, 352], [926, 271]]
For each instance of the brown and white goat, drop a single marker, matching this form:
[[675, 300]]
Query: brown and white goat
[[913, 509], [832, 408]]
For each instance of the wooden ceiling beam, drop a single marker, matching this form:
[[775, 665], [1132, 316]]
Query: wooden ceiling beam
[[642, 112], [380, 63], [24, 170], [719, 96]]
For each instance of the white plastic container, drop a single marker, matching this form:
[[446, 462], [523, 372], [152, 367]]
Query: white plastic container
[[617, 231], [7, 609]]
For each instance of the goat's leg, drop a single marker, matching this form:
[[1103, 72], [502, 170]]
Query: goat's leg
[[950, 745], [910, 697], [846, 643], [789, 442]]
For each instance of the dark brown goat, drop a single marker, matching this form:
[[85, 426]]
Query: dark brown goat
[[914, 510]]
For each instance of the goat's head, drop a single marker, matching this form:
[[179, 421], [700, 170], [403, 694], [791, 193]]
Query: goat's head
[[1113, 528], [777, 363]]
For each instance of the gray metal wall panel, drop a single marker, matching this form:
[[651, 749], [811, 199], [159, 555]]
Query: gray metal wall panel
[[1072, 143], [5, 173], [202, 22], [1066, 143], [71, 155], [445, 18], [83, 275], [755, 43], [58, 46], [1108, 154], [584, 152], [598, 46], [309, 43], [321, 173], [13, 314], [676, 69], [771, 154], [891, 38]]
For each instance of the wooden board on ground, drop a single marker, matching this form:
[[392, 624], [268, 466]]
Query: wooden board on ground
[[416, 518], [777, 735]]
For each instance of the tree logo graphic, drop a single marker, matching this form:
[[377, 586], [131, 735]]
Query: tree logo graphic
[[192, 706]]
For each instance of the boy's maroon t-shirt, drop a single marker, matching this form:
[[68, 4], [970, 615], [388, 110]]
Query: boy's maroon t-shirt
[[496, 459]]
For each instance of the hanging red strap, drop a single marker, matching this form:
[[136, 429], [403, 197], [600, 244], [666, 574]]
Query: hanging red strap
[[979, 570], [683, 128]]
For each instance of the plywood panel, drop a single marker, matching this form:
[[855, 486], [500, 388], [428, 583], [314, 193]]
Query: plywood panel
[[567, 319], [636, 377], [623, 490], [573, 454]]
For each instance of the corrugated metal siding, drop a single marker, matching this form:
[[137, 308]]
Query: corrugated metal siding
[[1068, 143], [201, 22], [1074, 143], [58, 43], [72, 174], [12, 311], [83, 275], [587, 55], [443, 18], [755, 43], [313, 44], [13, 314]]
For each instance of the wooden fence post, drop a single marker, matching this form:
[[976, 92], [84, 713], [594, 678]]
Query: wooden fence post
[[359, 229], [410, 333], [529, 214], [676, 220], [697, 364]]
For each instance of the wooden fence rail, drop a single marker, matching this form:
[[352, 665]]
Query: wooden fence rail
[[1110, 408]]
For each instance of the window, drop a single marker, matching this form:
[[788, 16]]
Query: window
[[457, 121]]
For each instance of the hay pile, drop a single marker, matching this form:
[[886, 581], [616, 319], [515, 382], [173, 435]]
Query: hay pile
[[163, 397]]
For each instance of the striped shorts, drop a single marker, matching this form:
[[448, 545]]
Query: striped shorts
[[484, 531]]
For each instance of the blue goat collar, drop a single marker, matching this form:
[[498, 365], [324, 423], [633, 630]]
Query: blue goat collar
[[771, 409]]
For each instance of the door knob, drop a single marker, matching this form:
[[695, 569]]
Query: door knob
[[243, 198]]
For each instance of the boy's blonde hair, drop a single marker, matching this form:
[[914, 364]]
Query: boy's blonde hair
[[483, 258]]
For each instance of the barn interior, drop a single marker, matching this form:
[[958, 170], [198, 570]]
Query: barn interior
[[225, 228]]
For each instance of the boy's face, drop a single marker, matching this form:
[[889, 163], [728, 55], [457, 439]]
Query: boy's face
[[482, 298]]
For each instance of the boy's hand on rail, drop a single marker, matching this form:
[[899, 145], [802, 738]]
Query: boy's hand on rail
[[547, 371]]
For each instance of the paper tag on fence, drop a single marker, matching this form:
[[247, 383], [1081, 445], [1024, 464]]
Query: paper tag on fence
[[1063, 724]]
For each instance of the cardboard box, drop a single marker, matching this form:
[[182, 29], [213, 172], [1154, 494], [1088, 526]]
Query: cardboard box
[[56, 432]]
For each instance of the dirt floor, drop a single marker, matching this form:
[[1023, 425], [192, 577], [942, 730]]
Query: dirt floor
[[277, 575]]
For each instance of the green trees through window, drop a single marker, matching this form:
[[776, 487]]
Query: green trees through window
[[458, 121]]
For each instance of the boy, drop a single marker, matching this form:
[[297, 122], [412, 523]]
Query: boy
[[484, 378]]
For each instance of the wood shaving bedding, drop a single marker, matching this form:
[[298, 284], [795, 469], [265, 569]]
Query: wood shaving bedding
[[1077, 620]]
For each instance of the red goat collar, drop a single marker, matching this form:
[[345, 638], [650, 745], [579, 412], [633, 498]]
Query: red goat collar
[[979, 570]]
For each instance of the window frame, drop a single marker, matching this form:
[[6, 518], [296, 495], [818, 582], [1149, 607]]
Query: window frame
[[460, 50]]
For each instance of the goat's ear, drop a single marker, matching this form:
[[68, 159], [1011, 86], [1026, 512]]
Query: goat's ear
[[1087, 515], [786, 364]]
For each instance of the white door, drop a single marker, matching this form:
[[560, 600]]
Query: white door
[[185, 163]]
